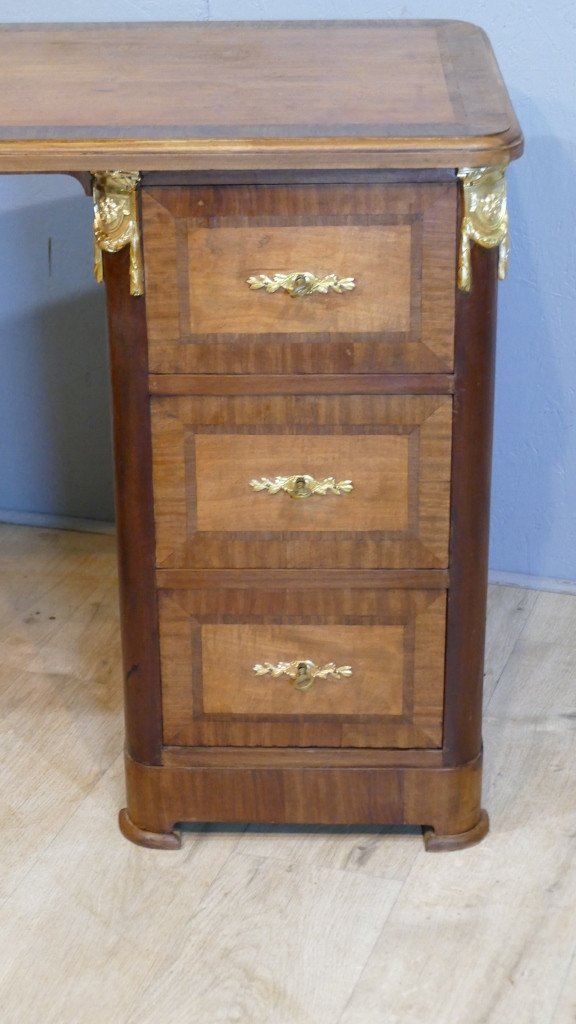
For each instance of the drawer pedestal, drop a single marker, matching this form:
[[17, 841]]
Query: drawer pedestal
[[171, 776]]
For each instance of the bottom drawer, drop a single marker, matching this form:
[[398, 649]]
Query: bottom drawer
[[303, 667]]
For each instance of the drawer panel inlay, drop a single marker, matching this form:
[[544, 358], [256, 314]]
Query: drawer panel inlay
[[389, 458], [222, 261], [226, 667], [232, 655], [227, 501], [395, 243]]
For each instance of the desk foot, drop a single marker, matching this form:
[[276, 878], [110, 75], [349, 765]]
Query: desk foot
[[153, 840], [437, 843]]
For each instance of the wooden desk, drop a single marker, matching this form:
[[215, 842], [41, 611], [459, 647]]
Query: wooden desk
[[300, 226]]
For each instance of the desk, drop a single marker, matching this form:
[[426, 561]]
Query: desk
[[300, 226]]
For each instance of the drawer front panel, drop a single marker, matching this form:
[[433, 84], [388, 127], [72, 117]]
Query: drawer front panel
[[372, 472], [381, 258], [293, 668]]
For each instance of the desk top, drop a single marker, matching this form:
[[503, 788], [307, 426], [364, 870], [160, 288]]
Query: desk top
[[197, 95]]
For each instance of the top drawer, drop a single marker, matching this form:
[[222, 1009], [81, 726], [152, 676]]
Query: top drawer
[[397, 242]]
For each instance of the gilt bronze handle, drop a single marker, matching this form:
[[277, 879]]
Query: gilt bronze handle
[[301, 282], [302, 486], [304, 673]]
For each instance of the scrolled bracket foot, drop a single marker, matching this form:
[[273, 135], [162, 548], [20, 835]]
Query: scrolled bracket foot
[[436, 842], [152, 840]]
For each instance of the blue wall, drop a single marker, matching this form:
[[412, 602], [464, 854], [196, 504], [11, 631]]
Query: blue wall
[[54, 442]]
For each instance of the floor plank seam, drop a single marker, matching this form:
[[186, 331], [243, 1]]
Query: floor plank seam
[[373, 947], [39, 596], [563, 984], [344, 870], [86, 795], [507, 662], [141, 995]]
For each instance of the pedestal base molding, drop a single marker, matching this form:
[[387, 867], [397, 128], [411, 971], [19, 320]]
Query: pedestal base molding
[[444, 801]]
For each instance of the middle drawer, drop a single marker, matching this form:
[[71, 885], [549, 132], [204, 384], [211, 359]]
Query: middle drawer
[[285, 481]]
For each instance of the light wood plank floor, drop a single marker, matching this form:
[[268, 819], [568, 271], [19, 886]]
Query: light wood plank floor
[[267, 925]]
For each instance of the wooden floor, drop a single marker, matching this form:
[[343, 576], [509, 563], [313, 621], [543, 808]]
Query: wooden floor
[[269, 925]]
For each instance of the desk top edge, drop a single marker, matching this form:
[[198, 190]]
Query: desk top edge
[[394, 94]]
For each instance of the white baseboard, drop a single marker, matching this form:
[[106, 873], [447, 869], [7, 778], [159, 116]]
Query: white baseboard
[[519, 579], [56, 522]]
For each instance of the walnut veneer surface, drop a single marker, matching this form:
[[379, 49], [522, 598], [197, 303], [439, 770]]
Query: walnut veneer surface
[[278, 94], [291, 656]]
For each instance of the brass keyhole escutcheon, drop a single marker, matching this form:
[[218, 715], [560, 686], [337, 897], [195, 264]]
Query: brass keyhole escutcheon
[[301, 487], [300, 287], [304, 677]]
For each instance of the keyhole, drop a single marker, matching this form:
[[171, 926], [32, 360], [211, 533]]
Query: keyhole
[[304, 677], [301, 487], [300, 286]]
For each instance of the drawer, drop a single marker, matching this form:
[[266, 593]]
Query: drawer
[[383, 257], [282, 666], [302, 481]]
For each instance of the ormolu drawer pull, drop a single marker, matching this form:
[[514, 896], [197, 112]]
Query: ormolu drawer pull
[[301, 282], [302, 486], [304, 673]]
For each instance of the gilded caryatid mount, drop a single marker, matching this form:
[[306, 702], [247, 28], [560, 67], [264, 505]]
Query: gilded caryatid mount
[[485, 219], [116, 222]]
